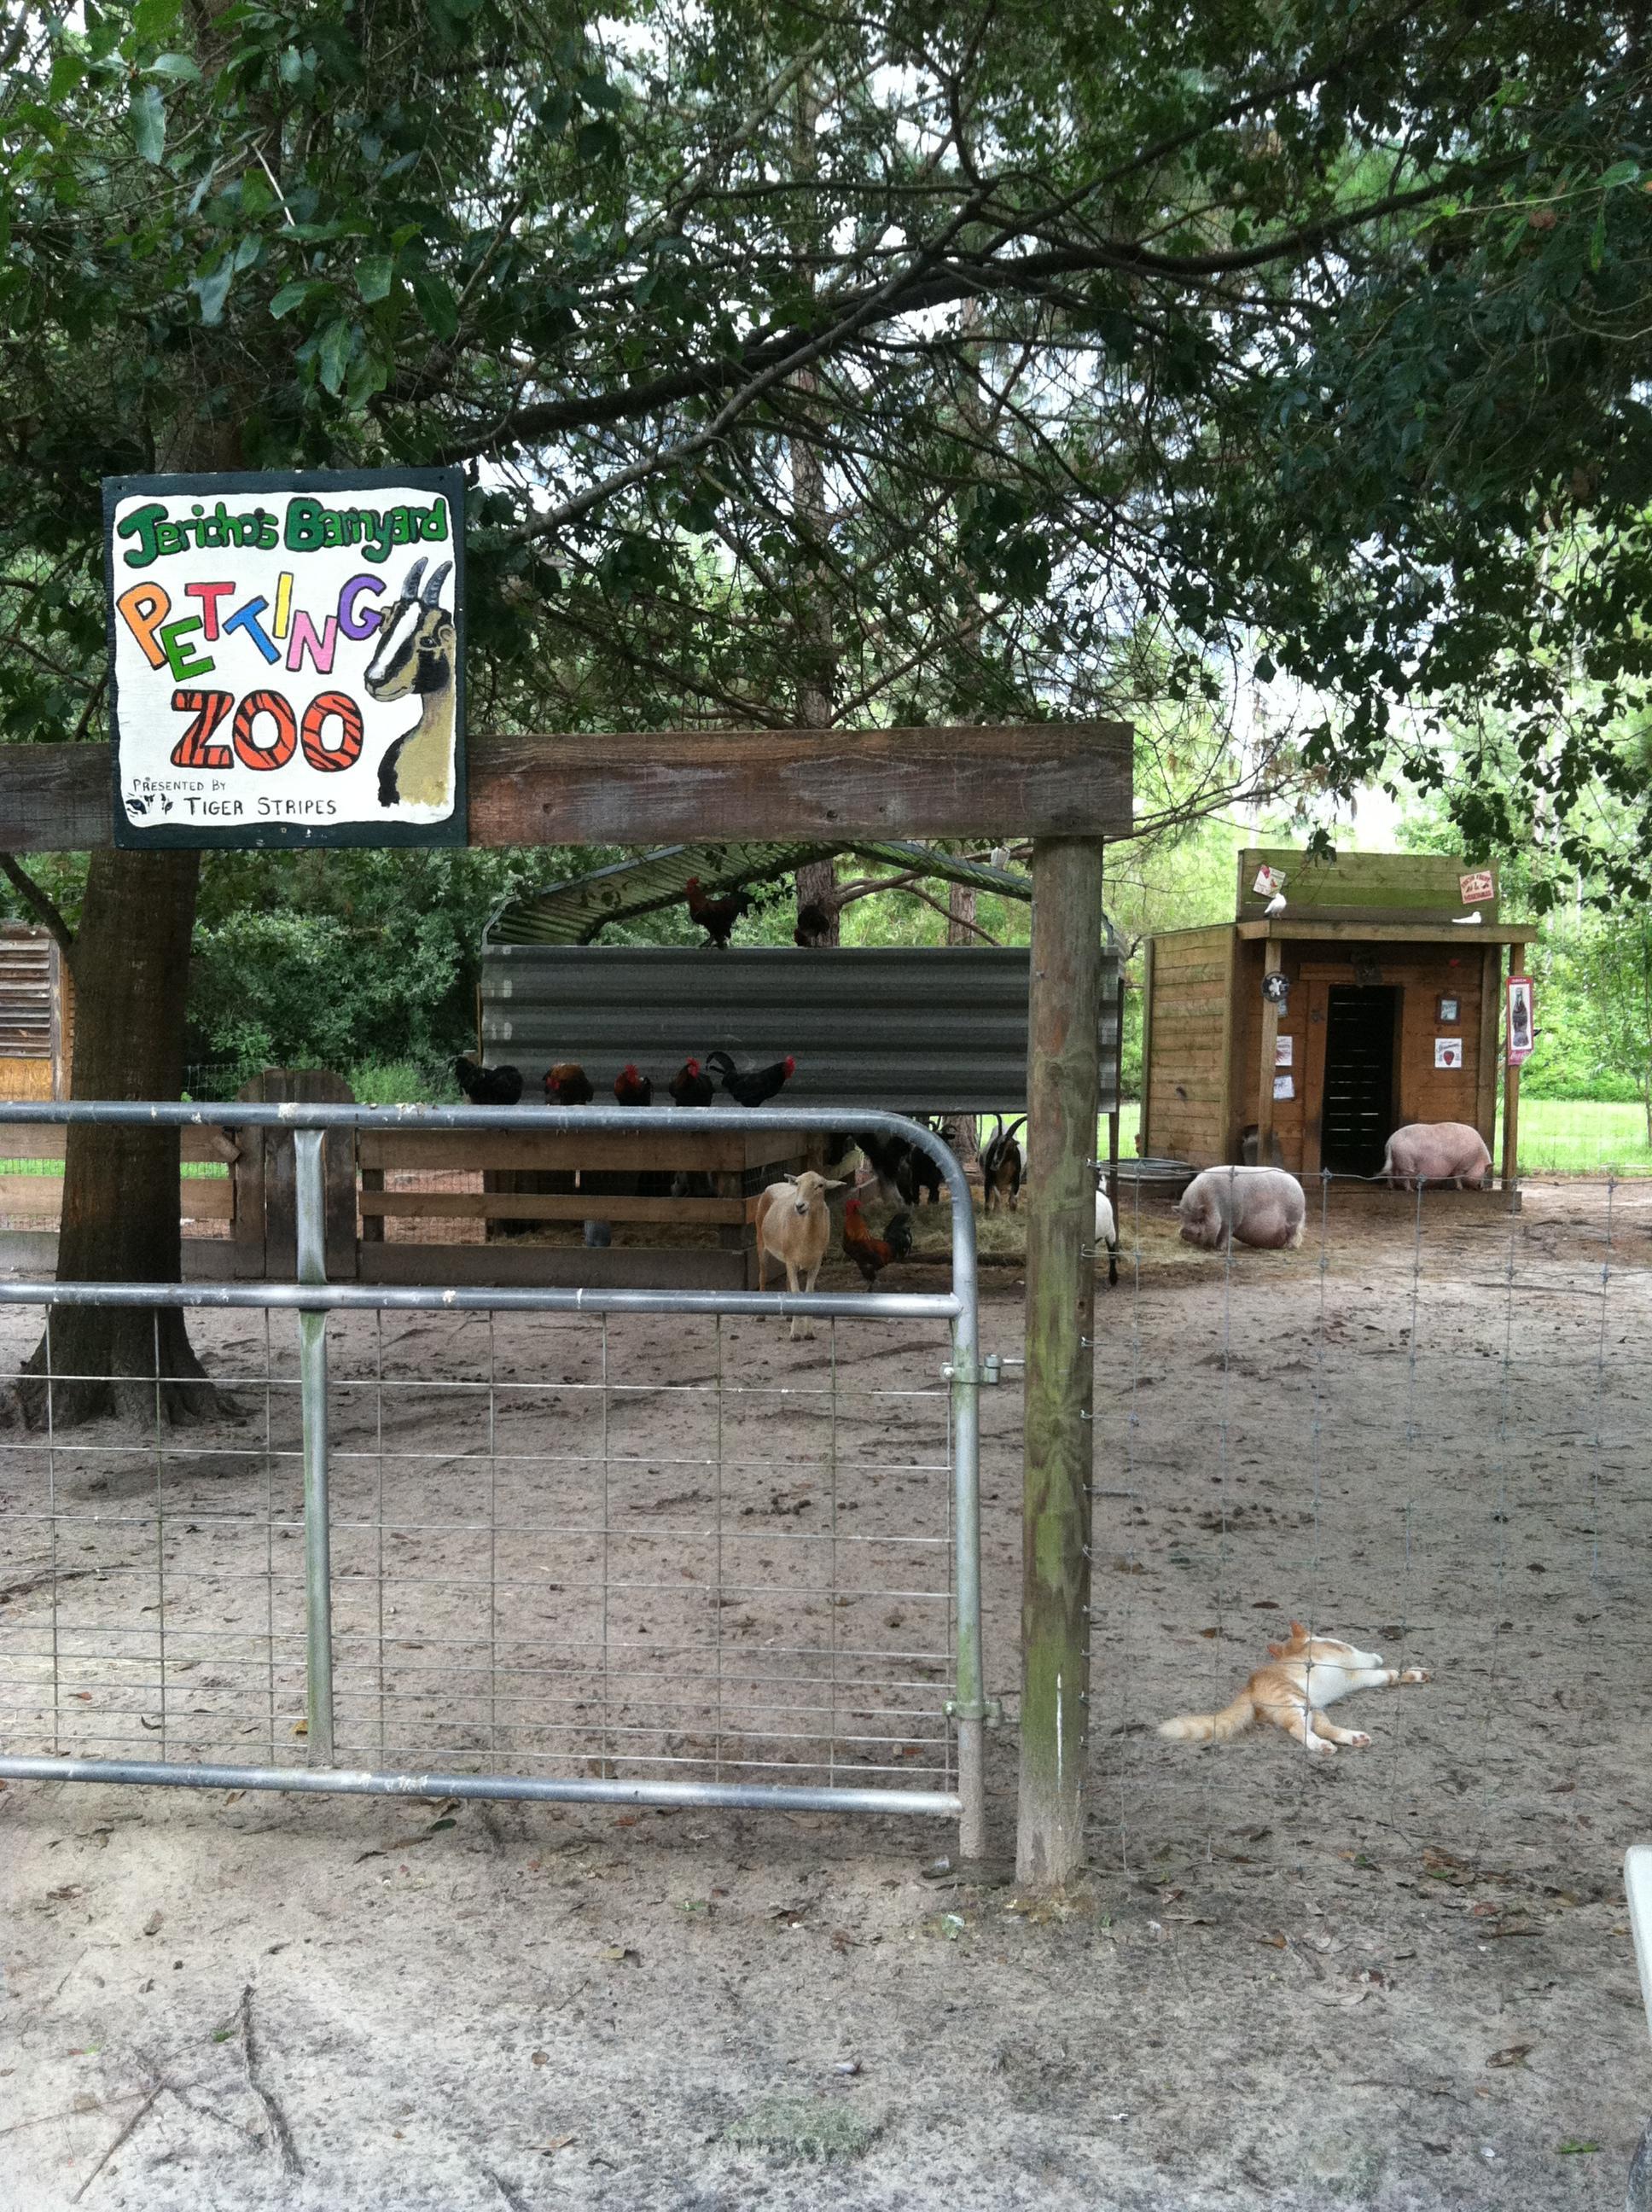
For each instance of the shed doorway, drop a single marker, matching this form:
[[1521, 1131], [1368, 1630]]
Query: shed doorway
[[1362, 1021]]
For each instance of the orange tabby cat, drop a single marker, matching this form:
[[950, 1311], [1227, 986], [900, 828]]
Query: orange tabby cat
[[1307, 1673]]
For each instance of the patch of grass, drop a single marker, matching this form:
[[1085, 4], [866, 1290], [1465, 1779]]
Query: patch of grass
[[402, 1083], [1579, 1136], [798, 2128]]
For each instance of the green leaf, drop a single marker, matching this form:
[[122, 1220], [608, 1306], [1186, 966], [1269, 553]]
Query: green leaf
[[333, 353], [1264, 669], [1620, 173], [153, 19], [68, 68], [212, 290], [149, 121], [174, 65], [597, 142], [1572, 2150], [436, 304], [596, 92], [374, 275], [294, 296], [291, 65]]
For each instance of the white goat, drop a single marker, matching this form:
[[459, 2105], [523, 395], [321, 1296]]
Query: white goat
[[795, 1225], [1106, 1234]]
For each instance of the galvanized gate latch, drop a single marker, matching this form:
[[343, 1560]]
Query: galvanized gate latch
[[990, 1371]]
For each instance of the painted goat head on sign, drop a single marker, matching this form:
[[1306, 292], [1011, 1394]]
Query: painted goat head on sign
[[416, 653]]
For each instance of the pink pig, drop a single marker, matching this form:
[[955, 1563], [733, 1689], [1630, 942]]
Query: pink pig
[[1436, 1152], [1264, 1206]]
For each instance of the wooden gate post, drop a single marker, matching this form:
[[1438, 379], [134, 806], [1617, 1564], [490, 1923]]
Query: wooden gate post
[[1062, 1089]]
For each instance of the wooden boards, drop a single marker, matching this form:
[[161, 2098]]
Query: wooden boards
[[664, 787], [1362, 886]]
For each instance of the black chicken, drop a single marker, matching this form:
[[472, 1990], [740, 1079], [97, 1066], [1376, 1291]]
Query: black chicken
[[716, 916], [691, 1086], [632, 1089], [749, 1086], [814, 925], [487, 1086]]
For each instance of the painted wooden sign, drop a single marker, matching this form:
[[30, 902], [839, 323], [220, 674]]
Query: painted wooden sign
[[286, 657]]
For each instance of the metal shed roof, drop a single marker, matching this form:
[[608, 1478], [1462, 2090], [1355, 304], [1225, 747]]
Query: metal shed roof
[[928, 1029], [577, 911]]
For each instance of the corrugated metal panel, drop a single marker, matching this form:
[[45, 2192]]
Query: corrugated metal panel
[[25, 993], [932, 1030]]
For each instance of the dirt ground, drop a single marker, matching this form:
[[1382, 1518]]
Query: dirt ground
[[1401, 1977]]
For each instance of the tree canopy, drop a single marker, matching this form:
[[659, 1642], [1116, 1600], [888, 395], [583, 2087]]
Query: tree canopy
[[1112, 348]]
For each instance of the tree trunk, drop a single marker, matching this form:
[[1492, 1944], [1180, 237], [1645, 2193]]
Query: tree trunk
[[131, 965], [817, 881]]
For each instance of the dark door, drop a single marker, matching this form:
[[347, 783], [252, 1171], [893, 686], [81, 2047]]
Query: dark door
[[1358, 1105]]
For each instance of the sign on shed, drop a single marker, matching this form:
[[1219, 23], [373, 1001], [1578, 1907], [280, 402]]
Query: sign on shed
[[286, 657]]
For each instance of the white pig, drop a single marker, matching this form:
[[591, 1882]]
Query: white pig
[[1436, 1152], [1265, 1205]]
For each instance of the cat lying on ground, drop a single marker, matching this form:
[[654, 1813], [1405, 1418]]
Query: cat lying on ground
[[1308, 1673]]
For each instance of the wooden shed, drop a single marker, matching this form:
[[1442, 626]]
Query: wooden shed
[[1390, 1011], [35, 1014]]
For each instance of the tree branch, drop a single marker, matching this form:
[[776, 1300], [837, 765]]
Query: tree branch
[[32, 896]]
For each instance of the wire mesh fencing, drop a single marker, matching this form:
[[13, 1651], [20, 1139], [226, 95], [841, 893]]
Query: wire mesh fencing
[[558, 1543], [1425, 1433]]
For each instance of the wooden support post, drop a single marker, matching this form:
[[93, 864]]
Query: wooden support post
[[1265, 1078], [1062, 1087], [1511, 1084], [1118, 1096]]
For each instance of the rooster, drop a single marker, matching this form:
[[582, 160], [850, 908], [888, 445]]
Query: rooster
[[749, 1086], [691, 1086], [716, 916], [488, 1086], [871, 1255], [632, 1088], [567, 1084]]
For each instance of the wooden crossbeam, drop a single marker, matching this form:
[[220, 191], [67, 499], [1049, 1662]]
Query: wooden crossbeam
[[666, 786]]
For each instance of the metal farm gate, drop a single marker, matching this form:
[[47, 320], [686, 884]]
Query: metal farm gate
[[619, 1545]]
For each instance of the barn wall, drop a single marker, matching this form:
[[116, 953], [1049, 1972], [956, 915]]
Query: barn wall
[[1187, 1022], [34, 1014], [1422, 975], [929, 1029]]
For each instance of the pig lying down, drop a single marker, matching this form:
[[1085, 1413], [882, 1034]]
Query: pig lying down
[[1264, 1207], [1437, 1151]]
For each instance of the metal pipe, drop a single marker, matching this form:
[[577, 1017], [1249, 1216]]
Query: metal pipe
[[312, 1391], [566, 1121], [354, 1782], [408, 1298], [969, 1708]]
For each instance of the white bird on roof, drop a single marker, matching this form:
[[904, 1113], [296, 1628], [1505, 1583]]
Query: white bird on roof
[[1276, 904]]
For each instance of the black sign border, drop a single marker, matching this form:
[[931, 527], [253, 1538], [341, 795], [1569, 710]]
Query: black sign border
[[288, 836]]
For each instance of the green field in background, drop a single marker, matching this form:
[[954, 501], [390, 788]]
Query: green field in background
[[205, 1170], [1579, 1136], [1557, 1136]]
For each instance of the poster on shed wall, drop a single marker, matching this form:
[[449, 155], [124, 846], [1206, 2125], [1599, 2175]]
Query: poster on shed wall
[[286, 657]]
